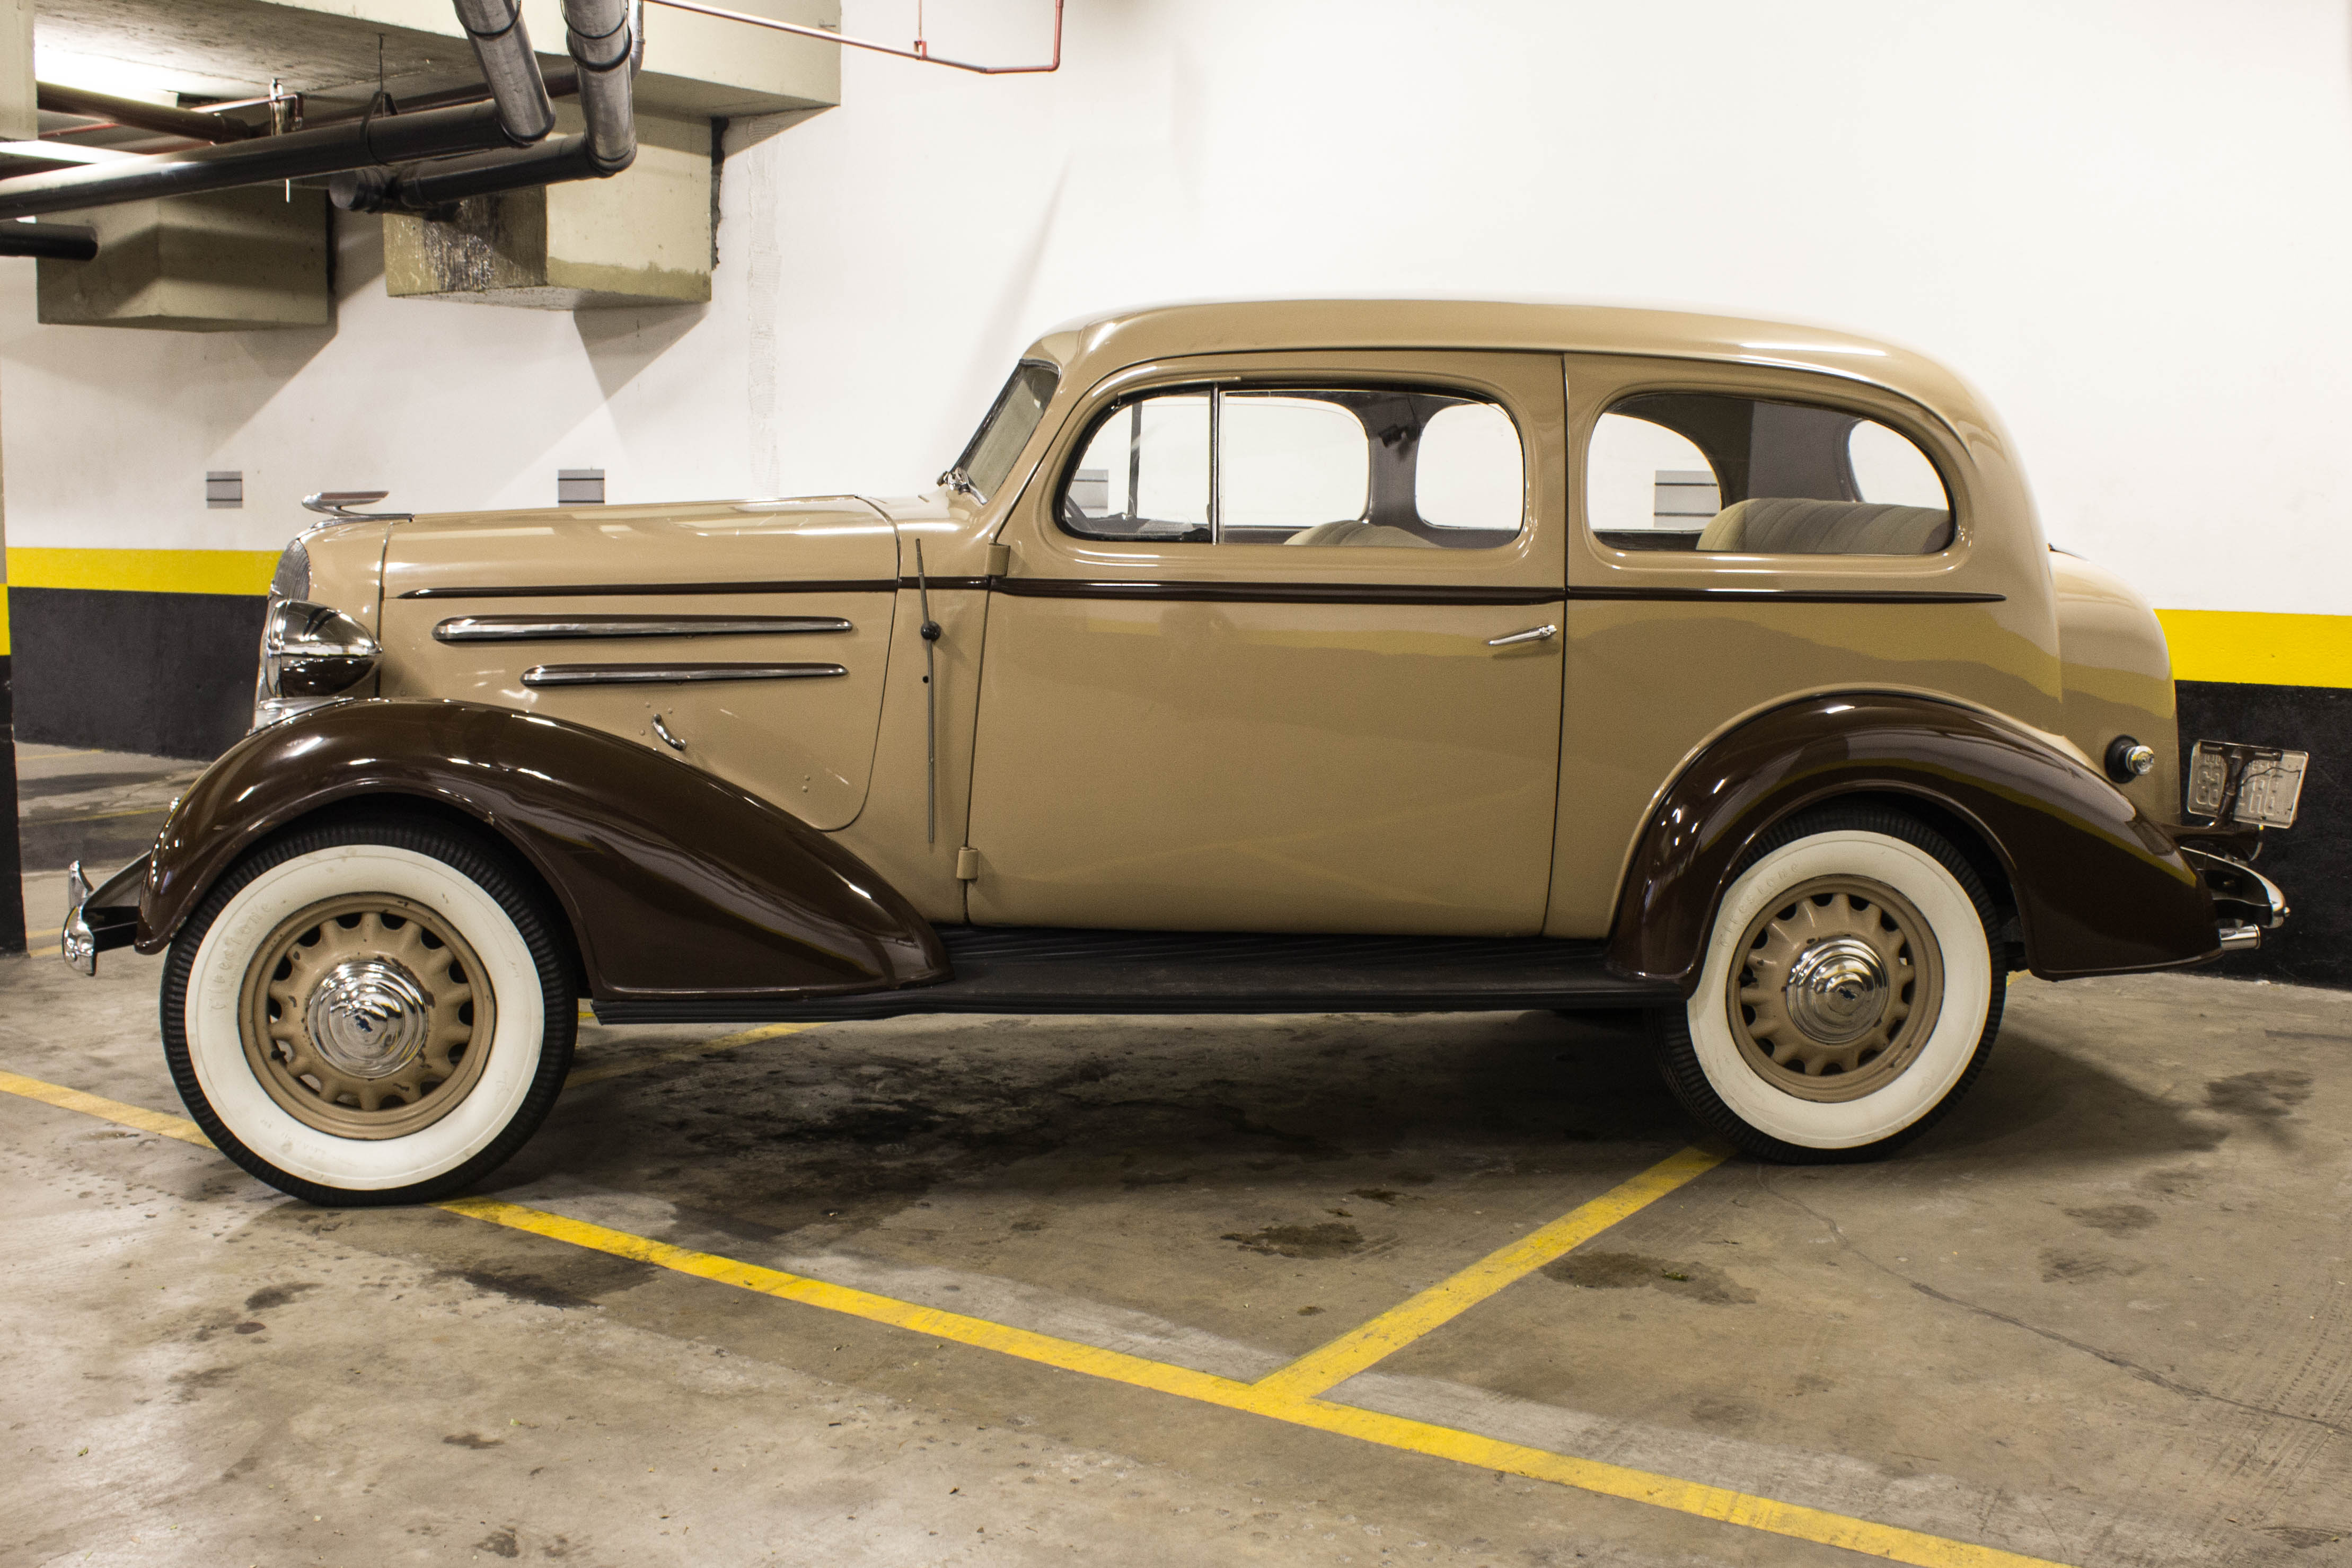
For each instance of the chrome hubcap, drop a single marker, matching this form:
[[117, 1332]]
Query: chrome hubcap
[[1837, 990], [1838, 983], [369, 1016]]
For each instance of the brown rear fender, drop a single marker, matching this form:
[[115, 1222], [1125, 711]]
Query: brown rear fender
[[2099, 889], [676, 883]]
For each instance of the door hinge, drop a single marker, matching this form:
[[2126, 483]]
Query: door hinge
[[967, 864], [1000, 559]]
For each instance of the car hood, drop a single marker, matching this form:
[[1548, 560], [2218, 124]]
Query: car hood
[[592, 549]]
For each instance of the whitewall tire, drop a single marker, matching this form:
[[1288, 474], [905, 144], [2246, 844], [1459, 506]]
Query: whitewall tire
[[1849, 994], [378, 1010]]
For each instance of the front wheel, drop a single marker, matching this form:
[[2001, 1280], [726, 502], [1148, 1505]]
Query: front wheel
[[369, 1013], [1848, 995]]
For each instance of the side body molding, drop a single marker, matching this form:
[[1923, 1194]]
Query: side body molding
[[676, 883], [2100, 888]]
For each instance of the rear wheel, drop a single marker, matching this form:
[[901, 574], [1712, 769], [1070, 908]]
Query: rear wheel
[[369, 1013], [1848, 995]]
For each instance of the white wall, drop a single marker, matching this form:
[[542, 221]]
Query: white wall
[[2127, 222]]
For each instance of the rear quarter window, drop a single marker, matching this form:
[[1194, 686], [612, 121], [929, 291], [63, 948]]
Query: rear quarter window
[[1721, 474]]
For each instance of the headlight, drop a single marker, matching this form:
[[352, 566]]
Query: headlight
[[310, 655], [312, 650]]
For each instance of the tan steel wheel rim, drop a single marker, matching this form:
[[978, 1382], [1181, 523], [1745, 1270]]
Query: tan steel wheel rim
[[366, 1016], [1836, 986]]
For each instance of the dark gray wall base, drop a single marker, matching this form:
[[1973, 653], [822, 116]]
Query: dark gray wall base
[[169, 674], [2312, 861]]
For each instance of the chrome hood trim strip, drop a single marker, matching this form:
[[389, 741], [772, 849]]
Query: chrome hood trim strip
[[543, 675], [537, 628]]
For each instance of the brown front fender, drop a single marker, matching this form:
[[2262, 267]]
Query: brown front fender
[[676, 883], [2100, 889]]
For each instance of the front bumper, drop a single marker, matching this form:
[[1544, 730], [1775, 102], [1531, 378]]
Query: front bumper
[[102, 918]]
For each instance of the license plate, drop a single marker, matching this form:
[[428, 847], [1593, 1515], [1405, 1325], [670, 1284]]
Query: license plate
[[2258, 786]]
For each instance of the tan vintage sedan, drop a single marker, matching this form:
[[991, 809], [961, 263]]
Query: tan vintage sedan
[[1375, 655]]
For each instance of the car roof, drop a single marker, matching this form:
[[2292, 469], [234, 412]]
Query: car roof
[[1095, 346]]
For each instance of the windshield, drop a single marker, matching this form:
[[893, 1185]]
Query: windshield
[[1008, 427]]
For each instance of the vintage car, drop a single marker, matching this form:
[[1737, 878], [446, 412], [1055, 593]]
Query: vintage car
[[1258, 658]]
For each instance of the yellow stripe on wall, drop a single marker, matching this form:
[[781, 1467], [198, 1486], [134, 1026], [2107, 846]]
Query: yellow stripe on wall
[[3, 620], [2250, 648], [144, 571]]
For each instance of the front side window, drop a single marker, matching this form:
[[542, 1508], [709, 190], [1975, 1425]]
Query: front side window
[[1304, 465], [1754, 476], [987, 461]]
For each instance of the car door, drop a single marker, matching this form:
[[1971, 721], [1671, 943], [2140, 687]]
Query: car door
[[1277, 650], [1746, 536]]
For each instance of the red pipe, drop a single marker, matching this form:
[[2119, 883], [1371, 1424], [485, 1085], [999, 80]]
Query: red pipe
[[920, 52]]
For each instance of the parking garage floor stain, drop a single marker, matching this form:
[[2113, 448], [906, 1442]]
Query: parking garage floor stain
[[2100, 1317]]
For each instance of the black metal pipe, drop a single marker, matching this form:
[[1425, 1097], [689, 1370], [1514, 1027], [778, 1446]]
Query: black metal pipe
[[605, 39], [602, 39], [563, 84], [56, 241], [382, 138], [431, 187], [193, 123], [510, 69]]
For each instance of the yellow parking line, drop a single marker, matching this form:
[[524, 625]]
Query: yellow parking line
[[1069, 1355], [1351, 1353], [1891, 1543], [105, 1110], [587, 1075]]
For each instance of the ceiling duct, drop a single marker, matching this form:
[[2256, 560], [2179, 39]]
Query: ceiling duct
[[56, 241], [607, 41], [508, 67], [194, 124], [374, 140]]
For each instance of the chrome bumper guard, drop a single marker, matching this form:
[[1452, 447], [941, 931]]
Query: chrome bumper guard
[[101, 919], [2245, 902], [2235, 787]]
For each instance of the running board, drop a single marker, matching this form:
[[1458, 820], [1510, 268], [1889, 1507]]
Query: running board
[[1041, 970]]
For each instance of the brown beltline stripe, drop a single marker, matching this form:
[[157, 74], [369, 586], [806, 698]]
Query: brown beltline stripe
[[1425, 594], [614, 590], [1792, 595], [1276, 593], [1243, 593]]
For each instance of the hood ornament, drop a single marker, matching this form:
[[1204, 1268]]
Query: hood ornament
[[339, 504]]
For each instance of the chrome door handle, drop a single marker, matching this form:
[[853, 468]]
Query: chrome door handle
[[1533, 633]]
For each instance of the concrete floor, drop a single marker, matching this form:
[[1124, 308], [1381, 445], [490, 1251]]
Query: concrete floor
[[102, 808], [2102, 1316]]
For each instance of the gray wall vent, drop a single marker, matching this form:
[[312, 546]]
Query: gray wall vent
[[580, 486], [1686, 497], [224, 487]]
